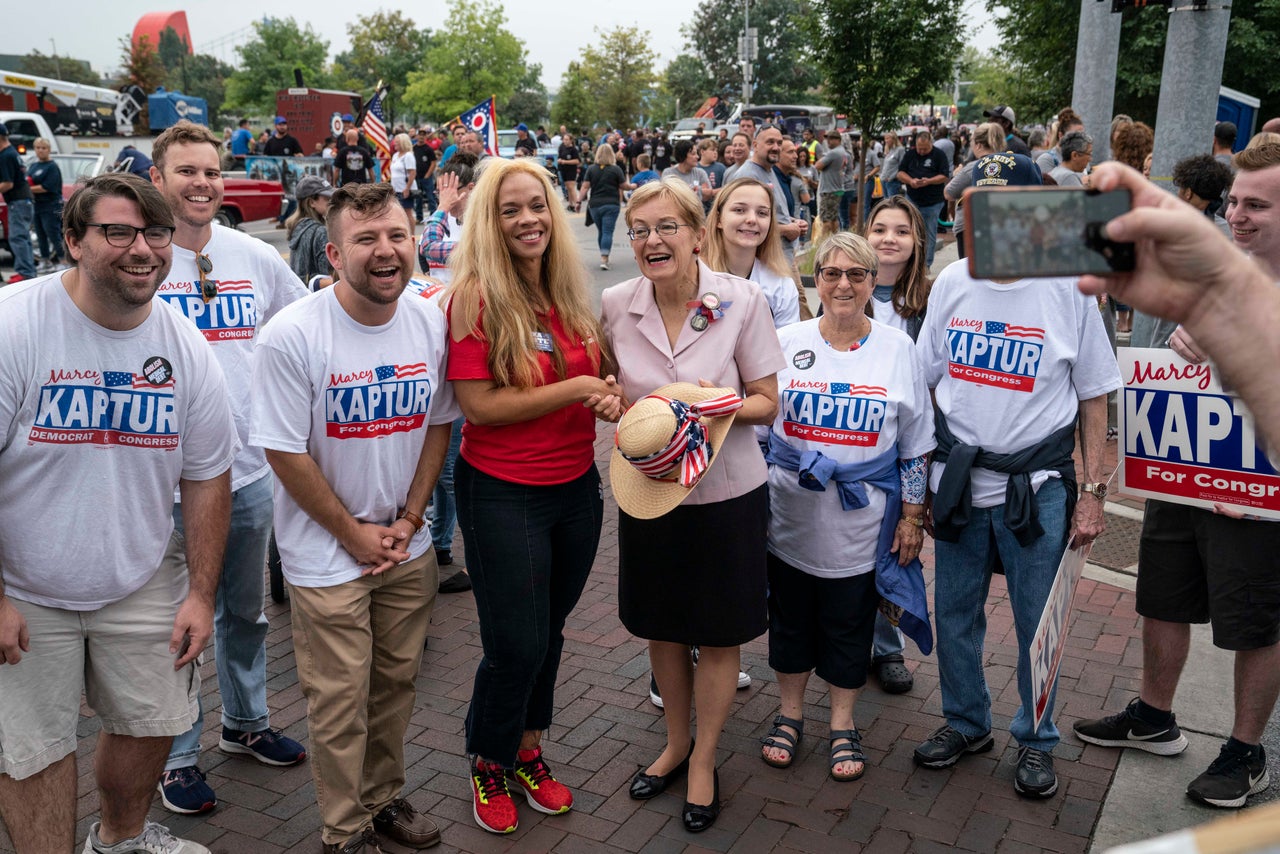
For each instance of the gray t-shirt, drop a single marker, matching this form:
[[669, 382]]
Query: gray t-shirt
[[1066, 177], [831, 170], [696, 178]]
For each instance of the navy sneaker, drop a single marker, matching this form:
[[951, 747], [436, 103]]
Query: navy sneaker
[[270, 746], [1231, 779], [184, 791]]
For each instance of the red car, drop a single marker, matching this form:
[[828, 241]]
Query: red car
[[243, 199]]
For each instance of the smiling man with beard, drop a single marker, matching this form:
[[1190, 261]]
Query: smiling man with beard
[[351, 407], [110, 402], [228, 284]]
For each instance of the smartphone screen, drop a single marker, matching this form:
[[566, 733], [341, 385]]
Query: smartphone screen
[[1025, 232]]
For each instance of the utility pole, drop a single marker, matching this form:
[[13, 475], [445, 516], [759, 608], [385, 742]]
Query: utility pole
[[747, 51], [57, 64], [1094, 92], [1194, 51]]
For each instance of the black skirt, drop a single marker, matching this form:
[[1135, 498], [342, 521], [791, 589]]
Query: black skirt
[[698, 574]]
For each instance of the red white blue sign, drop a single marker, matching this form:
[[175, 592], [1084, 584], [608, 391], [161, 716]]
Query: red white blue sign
[[1185, 439], [483, 119]]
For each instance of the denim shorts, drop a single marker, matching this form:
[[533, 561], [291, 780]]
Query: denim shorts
[[118, 656], [1195, 566]]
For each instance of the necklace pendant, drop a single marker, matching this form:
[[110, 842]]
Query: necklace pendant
[[699, 322]]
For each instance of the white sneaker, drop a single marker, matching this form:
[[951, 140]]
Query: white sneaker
[[744, 680], [154, 839]]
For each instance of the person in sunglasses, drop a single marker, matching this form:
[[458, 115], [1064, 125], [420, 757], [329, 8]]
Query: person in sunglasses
[[111, 402], [846, 457], [228, 285]]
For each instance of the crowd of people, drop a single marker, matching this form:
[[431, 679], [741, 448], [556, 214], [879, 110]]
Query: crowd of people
[[200, 395]]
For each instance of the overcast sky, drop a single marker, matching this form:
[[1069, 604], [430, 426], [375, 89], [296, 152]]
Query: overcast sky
[[92, 29]]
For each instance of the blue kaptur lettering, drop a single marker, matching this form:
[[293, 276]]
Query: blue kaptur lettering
[[993, 352], [838, 412], [354, 404], [90, 408], [228, 311]]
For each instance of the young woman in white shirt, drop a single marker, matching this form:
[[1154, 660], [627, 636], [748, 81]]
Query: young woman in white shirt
[[742, 239]]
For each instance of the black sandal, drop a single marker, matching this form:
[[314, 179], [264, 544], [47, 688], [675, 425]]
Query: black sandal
[[847, 753], [780, 739]]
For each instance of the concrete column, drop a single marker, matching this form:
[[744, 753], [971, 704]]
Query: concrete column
[[1094, 92], [1193, 55]]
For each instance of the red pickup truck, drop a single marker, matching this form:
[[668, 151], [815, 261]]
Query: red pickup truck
[[243, 200]]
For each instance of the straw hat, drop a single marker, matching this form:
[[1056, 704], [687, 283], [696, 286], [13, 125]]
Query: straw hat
[[648, 428]]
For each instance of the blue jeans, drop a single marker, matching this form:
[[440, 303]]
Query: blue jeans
[[887, 638], [867, 202], [22, 214], [962, 578], [929, 213], [606, 216], [444, 511], [426, 197], [529, 551], [846, 199], [892, 188], [49, 232], [240, 627]]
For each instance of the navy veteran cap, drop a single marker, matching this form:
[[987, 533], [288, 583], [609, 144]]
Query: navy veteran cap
[[1006, 170]]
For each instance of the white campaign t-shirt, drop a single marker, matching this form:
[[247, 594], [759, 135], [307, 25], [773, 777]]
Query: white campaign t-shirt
[[1011, 363], [254, 283], [358, 399], [851, 406], [780, 292], [96, 429]]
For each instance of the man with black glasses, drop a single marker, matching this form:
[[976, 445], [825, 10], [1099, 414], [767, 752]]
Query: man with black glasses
[[228, 284], [112, 402]]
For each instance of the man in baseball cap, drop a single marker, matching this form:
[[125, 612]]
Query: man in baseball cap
[[1005, 117]]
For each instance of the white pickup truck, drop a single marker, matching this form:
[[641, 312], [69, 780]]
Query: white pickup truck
[[25, 127]]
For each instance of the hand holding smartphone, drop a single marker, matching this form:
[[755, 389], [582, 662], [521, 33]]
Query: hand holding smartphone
[[1028, 232]]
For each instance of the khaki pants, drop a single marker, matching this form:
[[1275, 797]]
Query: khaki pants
[[358, 646]]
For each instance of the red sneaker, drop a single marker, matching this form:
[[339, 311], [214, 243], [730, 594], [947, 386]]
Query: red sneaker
[[491, 803], [544, 792]]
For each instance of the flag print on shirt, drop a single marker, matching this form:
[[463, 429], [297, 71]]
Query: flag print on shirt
[[833, 413], [994, 353], [230, 316], [88, 407], [368, 403]]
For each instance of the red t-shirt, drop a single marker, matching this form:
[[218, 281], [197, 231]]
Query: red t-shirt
[[554, 448]]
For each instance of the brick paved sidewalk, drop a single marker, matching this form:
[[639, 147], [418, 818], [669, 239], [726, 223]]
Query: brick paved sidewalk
[[606, 728]]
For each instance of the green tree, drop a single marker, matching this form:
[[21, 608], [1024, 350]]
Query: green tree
[[528, 103], [60, 68], [784, 71], [878, 56], [618, 71], [574, 106], [1038, 40], [988, 81], [687, 83], [472, 58], [385, 46], [268, 60], [140, 66]]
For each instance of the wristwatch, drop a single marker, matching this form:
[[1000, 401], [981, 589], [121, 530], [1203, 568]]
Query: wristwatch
[[1097, 490]]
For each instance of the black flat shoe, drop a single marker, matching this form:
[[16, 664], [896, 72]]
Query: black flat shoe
[[645, 786], [697, 817]]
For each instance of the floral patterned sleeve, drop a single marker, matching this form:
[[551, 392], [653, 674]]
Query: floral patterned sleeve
[[913, 473]]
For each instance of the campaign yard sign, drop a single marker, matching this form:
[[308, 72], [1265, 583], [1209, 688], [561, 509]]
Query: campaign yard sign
[[1186, 440], [1050, 639]]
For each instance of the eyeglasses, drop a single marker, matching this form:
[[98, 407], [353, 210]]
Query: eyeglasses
[[666, 229], [122, 236], [832, 275], [208, 287]]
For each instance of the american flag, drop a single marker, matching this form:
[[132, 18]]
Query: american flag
[[995, 327], [846, 388], [400, 372], [374, 126], [117, 379]]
